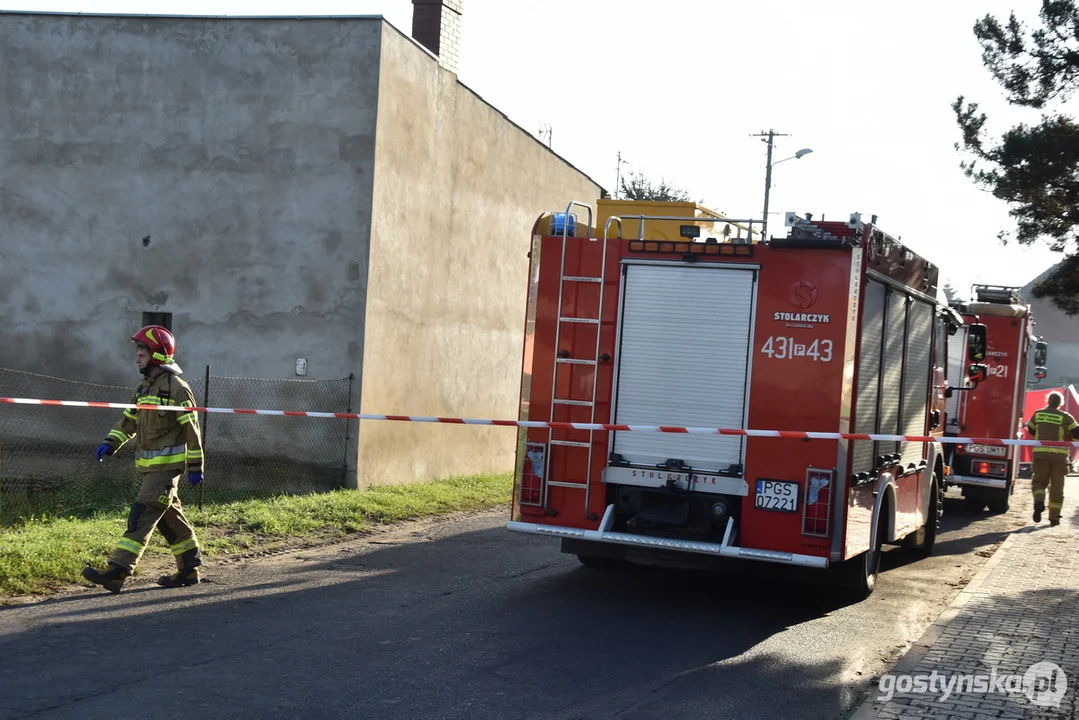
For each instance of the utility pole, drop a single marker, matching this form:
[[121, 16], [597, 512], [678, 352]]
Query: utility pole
[[771, 135], [618, 174]]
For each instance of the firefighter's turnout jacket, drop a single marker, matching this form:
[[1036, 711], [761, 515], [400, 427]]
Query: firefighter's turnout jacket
[[166, 440], [1054, 426]]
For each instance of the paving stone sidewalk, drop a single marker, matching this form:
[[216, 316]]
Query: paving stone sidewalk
[[1021, 609]]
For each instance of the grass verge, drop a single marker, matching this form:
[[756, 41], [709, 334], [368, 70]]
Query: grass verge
[[45, 555]]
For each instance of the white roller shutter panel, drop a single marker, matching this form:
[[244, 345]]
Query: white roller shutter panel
[[683, 361], [892, 379], [916, 380], [865, 415]]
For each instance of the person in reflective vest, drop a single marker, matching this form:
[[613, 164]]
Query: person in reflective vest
[[1050, 465], [167, 445]]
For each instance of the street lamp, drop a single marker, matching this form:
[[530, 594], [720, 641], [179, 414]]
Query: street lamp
[[796, 156], [768, 179], [770, 135]]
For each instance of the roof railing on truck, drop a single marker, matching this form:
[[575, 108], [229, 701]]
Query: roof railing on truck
[[739, 223], [1004, 295]]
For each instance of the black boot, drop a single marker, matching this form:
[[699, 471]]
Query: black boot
[[187, 570], [1039, 508], [180, 578], [111, 579]]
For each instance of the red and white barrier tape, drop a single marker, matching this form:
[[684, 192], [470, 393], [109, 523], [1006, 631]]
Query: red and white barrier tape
[[788, 434]]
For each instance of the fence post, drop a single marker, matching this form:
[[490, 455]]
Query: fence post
[[348, 424], [205, 422], [1, 485]]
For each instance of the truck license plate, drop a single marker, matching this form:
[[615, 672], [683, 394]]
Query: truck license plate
[[776, 495], [994, 450]]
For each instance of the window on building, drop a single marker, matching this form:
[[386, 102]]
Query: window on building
[[157, 318]]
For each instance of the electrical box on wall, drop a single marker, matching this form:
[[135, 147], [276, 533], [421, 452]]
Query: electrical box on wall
[[301, 366]]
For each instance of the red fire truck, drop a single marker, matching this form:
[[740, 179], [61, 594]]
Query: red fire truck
[[834, 328], [993, 409]]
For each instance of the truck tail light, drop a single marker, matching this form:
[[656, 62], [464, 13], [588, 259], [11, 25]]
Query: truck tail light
[[816, 510], [987, 467]]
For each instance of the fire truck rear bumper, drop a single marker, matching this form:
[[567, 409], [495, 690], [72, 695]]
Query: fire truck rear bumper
[[646, 541], [978, 481]]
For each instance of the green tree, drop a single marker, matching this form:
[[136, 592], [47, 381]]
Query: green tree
[[1034, 168], [640, 188], [949, 292]]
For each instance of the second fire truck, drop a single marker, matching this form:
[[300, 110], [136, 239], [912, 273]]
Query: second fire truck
[[835, 328], [994, 409]]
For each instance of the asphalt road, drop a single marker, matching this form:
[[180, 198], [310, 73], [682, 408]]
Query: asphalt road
[[461, 619]]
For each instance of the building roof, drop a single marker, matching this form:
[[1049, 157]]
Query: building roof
[[1027, 290], [603, 190]]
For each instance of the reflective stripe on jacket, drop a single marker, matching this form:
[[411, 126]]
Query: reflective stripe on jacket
[[165, 440], [1052, 425]]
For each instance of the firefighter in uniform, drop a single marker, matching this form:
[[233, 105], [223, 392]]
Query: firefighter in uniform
[[1050, 465], [167, 445]]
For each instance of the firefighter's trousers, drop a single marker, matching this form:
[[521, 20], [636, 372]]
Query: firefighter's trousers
[[1049, 470], [158, 506]]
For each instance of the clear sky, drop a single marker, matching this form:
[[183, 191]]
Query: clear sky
[[679, 86]]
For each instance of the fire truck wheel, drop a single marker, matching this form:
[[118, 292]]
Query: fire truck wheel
[[922, 541], [859, 574], [1000, 500], [973, 503]]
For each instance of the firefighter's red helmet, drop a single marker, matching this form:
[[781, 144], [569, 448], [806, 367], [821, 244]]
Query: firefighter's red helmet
[[162, 346]]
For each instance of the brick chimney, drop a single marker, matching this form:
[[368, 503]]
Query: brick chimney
[[436, 24]]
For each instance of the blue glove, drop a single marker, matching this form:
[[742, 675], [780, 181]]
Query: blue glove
[[102, 450], [194, 477]]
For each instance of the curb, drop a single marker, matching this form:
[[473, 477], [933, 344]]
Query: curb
[[869, 709]]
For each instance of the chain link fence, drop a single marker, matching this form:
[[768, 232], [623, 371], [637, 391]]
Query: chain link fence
[[47, 464]]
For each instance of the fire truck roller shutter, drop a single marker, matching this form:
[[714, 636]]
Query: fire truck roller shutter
[[684, 361], [865, 415], [916, 379], [895, 330]]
